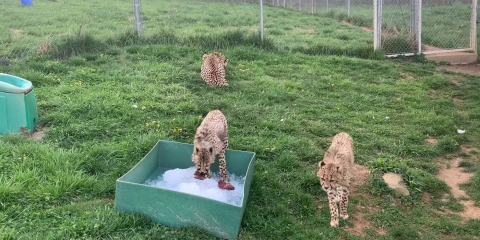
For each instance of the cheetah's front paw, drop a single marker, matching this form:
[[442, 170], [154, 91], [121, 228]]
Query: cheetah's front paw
[[344, 216], [333, 223]]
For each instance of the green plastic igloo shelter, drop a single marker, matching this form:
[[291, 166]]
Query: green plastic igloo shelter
[[18, 108]]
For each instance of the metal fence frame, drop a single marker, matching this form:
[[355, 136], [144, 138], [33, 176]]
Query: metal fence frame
[[415, 23], [416, 29]]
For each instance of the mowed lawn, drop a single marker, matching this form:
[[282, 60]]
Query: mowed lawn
[[100, 90]]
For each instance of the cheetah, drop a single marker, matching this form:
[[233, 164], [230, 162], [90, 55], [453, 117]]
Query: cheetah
[[335, 172], [213, 69], [211, 139]]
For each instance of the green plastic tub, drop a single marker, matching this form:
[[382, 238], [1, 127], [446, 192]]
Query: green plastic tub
[[18, 108], [176, 209]]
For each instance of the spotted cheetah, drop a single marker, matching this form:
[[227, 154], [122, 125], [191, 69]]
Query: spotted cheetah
[[213, 69], [211, 139], [335, 172]]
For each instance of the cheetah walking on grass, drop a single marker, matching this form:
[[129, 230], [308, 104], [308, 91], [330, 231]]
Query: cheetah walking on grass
[[335, 172]]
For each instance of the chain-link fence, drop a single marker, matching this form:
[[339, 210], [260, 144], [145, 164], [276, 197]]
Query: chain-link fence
[[426, 26], [446, 24], [398, 27]]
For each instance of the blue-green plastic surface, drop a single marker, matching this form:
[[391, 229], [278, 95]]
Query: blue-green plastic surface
[[176, 209], [18, 108]]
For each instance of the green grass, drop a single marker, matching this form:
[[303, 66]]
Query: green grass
[[284, 103]]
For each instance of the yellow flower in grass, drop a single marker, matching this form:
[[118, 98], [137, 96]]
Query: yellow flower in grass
[[174, 130], [180, 130]]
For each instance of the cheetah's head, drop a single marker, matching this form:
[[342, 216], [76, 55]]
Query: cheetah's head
[[203, 156], [330, 175], [218, 57]]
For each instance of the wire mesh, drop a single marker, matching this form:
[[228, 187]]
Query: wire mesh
[[446, 24], [398, 35]]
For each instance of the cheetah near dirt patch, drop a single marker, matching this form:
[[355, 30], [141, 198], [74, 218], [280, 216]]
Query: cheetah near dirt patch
[[335, 173]]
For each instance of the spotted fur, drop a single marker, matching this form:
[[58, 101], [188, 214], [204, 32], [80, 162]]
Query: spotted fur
[[211, 139], [213, 69], [335, 172]]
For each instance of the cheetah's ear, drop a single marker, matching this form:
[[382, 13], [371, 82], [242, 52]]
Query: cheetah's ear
[[321, 164], [204, 56], [226, 62]]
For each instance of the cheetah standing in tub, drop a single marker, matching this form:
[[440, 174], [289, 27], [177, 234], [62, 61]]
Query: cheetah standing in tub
[[335, 172], [213, 69], [211, 139]]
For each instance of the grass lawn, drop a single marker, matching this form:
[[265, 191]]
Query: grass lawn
[[285, 101]]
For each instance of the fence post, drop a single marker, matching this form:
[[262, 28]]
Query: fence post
[[327, 6], [419, 26], [313, 8], [283, 3], [261, 20], [300, 5], [377, 24], [473, 28], [348, 8], [138, 21], [416, 23]]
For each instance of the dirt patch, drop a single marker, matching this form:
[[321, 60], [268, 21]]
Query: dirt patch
[[431, 140], [472, 69], [455, 79], [361, 174], [454, 176], [406, 76], [40, 133], [352, 25], [302, 30], [16, 33], [473, 152], [37, 134], [433, 94], [426, 197], [360, 223], [456, 101]]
